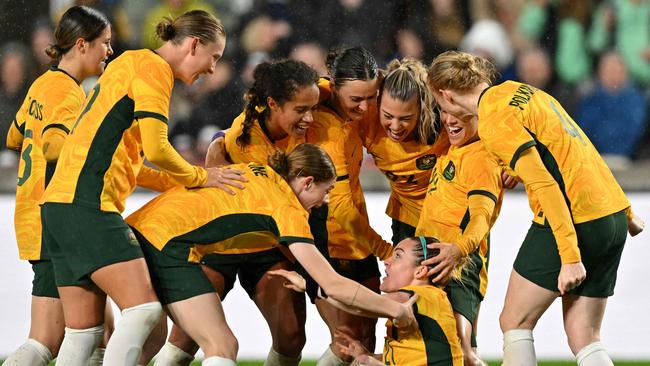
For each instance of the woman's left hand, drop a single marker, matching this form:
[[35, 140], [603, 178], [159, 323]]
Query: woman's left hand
[[508, 181], [445, 257], [294, 281]]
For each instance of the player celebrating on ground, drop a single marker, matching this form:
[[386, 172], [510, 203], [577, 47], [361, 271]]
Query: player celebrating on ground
[[52, 104], [461, 205], [123, 121], [579, 227]]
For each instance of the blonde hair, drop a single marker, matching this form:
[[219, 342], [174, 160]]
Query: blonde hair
[[407, 78], [460, 71], [195, 23]]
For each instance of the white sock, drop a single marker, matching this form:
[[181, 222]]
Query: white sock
[[79, 344], [170, 355], [518, 348], [330, 359], [125, 345], [594, 355], [218, 361], [97, 358], [276, 359], [32, 352]]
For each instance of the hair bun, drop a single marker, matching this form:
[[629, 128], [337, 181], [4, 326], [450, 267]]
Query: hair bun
[[165, 29]]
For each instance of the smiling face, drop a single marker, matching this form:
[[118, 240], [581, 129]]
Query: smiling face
[[311, 194], [399, 118], [201, 58], [354, 97], [460, 132], [96, 53], [402, 267], [295, 115]]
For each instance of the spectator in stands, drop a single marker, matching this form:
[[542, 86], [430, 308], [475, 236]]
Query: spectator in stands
[[613, 116], [15, 77], [42, 37], [312, 54], [625, 25]]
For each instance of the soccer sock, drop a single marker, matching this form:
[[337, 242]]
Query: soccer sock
[[78, 345], [125, 345], [218, 361], [170, 355], [30, 353], [97, 358], [518, 348], [276, 359], [330, 359], [594, 355]]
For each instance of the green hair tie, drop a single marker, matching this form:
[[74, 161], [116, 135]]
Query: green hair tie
[[423, 241]]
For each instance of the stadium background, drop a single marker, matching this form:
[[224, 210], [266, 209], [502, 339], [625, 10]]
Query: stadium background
[[557, 45]]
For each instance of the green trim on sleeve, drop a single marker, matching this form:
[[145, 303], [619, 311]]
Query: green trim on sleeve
[[288, 240], [145, 114], [520, 150], [485, 193], [59, 126], [20, 128]]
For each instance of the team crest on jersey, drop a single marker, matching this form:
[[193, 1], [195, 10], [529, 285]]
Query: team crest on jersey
[[450, 171], [425, 162], [130, 237]]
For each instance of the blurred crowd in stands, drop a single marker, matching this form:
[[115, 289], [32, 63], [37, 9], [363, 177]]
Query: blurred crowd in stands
[[592, 55]]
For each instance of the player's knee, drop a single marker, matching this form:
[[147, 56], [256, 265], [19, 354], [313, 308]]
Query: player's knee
[[509, 321], [291, 344]]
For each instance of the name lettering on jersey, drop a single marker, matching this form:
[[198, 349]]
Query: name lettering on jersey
[[522, 96], [426, 162], [35, 109], [258, 170], [450, 171]]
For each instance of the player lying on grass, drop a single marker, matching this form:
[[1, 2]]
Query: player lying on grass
[[433, 341]]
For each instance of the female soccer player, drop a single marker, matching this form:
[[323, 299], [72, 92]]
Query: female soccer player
[[277, 114], [579, 227], [272, 210], [400, 137], [52, 104], [461, 205], [434, 341], [123, 122], [352, 244]]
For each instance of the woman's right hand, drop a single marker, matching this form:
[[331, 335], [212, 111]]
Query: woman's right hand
[[224, 177], [635, 225], [406, 319]]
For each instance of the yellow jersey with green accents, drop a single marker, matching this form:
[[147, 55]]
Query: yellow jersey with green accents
[[514, 117], [102, 157], [458, 174], [265, 214], [258, 151], [349, 233], [261, 145], [435, 342], [54, 100], [406, 164]]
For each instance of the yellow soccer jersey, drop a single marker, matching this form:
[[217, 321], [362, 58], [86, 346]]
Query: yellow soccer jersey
[[461, 173], [349, 233], [261, 145], [102, 157], [435, 342], [514, 117], [53, 102], [258, 151], [406, 164], [265, 214]]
